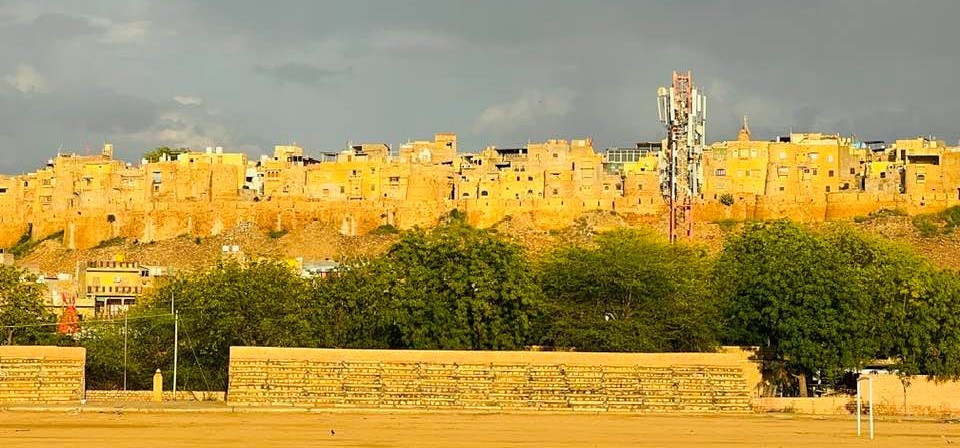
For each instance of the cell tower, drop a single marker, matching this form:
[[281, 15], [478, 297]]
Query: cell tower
[[683, 110]]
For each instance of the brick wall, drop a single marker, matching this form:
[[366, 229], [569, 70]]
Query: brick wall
[[40, 374], [147, 395], [523, 381]]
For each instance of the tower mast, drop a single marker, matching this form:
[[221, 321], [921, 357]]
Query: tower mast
[[682, 109]]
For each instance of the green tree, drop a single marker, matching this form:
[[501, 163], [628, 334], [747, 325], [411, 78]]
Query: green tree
[[257, 304], [158, 152], [807, 297], [105, 363], [453, 287], [632, 291], [23, 317]]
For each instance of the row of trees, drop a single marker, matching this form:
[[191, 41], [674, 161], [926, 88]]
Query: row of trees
[[821, 303]]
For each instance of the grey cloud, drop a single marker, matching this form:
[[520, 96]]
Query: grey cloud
[[877, 68], [302, 73]]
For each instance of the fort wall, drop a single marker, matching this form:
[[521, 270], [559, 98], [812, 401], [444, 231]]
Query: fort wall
[[806, 177]]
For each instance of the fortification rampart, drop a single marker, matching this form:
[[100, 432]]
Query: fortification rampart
[[521, 381], [808, 178], [41, 374]]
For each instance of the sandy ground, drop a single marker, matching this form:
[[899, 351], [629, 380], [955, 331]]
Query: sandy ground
[[132, 429]]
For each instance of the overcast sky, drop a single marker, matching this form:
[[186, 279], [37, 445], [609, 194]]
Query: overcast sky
[[250, 74]]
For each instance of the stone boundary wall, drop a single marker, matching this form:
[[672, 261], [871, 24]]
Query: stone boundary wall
[[41, 374], [924, 396], [832, 405], [489, 380], [146, 395]]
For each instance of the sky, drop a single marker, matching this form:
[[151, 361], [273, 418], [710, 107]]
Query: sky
[[247, 75]]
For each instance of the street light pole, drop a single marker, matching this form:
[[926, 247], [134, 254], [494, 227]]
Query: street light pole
[[123, 306]]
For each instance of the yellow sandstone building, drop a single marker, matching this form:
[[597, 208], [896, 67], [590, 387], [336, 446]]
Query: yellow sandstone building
[[804, 176]]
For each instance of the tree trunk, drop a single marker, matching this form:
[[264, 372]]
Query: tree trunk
[[803, 384]]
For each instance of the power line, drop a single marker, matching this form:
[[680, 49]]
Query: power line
[[95, 321]]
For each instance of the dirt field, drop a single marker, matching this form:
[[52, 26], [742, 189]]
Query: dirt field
[[26, 429]]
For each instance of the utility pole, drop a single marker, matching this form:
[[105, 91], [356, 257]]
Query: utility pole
[[176, 337], [123, 306], [176, 333]]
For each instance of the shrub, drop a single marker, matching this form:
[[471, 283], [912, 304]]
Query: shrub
[[115, 241], [277, 233], [385, 229], [726, 225], [726, 199], [951, 216], [925, 225]]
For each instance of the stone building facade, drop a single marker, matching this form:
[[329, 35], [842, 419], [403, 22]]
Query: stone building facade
[[803, 176]]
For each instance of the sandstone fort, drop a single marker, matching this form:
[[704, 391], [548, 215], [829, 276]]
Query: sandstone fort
[[803, 176]]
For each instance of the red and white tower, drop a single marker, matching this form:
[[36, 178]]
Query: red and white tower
[[683, 110]]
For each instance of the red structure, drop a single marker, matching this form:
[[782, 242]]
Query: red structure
[[69, 320]]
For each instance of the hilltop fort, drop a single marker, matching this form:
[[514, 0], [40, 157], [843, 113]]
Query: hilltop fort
[[803, 176]]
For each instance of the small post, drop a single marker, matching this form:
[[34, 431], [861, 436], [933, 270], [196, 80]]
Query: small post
[[176, 344], [859, 410], [870, 392], [158, 386]]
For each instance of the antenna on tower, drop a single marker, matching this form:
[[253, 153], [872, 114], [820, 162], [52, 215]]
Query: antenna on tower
[[682, 109]]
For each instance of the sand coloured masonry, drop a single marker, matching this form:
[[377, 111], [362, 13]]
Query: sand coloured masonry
[[41, 374], [86, 199], [484, 380]]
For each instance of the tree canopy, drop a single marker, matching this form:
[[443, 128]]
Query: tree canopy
[[631, 292], [157, 153], [23, 317], [828, 303]]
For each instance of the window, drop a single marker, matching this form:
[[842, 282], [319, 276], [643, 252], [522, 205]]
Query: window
[[3, 191], [814, 156], [783, 155], [373, 188], [753, 153], [921, 178], [781, 188], [830, 158], [555, 155], [326, 192], [396, 179], [814, 171], [883, 174], [721, 172], [342, 190], [530, 178], [830, 173], [484, 193], [156, 177], [373, 171], [853, 171], [828, 188], [783, 171], [555, 192]]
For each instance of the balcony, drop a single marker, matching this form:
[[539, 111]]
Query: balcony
[[115, 290], [113, 265]]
